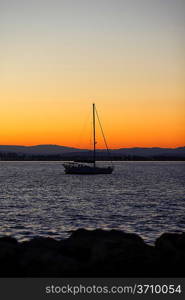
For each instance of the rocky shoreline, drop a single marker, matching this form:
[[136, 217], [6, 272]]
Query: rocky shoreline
[[96, 253]]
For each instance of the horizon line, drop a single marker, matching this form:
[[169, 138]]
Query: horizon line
[[36, 145]]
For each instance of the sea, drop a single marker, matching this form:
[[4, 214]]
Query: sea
[[39, 199]]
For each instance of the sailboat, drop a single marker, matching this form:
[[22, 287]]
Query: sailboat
[[92, 168]]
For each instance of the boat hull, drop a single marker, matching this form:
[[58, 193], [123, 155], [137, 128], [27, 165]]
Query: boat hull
[[86, 170]]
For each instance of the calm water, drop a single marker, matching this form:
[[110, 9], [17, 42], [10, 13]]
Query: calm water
[[37, 198]]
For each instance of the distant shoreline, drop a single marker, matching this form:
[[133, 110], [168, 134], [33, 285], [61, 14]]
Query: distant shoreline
[[136, 160], [60, 159], [63, 153]]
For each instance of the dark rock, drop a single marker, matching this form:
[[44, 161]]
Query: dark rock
[[171, 247], [170, 242], [41, 242], [94, 253], [8, 256], [8, 240], [47, 263], [122, 254], [82, 242]]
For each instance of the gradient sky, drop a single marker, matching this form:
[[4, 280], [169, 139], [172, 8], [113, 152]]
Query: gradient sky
[[57, 57]]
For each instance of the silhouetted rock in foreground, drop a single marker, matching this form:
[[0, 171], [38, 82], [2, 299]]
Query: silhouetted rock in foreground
[[96, 253]]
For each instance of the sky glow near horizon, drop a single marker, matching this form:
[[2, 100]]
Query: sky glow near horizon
[[127, 56]]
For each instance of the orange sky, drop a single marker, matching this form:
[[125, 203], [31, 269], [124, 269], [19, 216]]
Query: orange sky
[[59, 59]]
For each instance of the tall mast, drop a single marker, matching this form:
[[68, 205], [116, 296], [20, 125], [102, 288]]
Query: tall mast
[[94, 136]]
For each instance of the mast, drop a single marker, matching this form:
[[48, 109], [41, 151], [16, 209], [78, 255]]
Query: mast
[[94, 136]]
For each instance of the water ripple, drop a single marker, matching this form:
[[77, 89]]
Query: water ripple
[[37, 198]]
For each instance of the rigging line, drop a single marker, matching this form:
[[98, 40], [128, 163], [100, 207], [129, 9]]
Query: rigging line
[[108, 151]]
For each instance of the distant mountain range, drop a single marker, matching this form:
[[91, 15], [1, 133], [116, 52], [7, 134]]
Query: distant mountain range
[[38, 149], [67, 152]]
